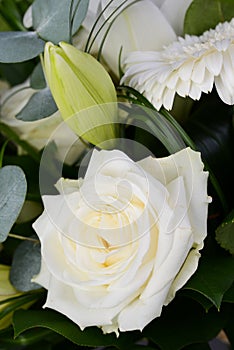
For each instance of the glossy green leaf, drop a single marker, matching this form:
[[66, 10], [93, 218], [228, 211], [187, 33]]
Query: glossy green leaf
[[40, 105], [229, 295], [24, 320], [52, 20], [198, 297], [205, 14], [31, 338], [37, 79], [25, 265], [19, 46], [225, 234], [213, 278], [13, 191], [184, 322], [91, 336]]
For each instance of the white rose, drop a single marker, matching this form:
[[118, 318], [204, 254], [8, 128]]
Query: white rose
[[143, 26], [38, 133], [118, 244]]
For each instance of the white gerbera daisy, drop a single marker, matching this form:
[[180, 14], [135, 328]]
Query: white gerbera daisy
[[188, 67]]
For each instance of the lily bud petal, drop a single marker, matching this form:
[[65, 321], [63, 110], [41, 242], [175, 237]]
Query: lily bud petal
[[83, 92]]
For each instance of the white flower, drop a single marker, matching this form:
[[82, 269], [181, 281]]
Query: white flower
[[188, 67], [143, 25], [118, 244], [39, 133]]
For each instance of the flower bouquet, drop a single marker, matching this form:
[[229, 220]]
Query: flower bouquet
[[116, 174]]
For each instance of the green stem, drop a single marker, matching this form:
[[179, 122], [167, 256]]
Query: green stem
[[23, 238], [2, 152]]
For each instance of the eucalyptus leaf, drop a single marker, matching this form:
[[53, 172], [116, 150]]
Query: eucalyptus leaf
[[213, 278], [40, 105], [79, 12], [205, 14], [19, 46], [13, 187], [52, 20], [225, 234], [16, 73], [37, 78], [25, 265]]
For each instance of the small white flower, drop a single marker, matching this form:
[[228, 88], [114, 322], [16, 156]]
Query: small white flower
[[188, 67]]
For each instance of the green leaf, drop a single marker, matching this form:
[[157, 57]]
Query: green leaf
[[4, 26], [205, 14], [13, 191], [31, 338], [19, 46], [79, 12], [40, 105], [229, 295], [37, 79], [16, 73], [91, 336], [51, 18], [17, 303], [26, 163], [12, 11], [225, 234], [25, 265], [200, 298], [213, 278], [184, 322]]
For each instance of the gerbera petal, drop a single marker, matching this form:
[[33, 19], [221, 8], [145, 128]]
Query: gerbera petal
[[188, 67]]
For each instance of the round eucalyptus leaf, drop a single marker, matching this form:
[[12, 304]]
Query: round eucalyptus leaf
[[40, 105], [25, 265], [13, 187], [37, 78], [19, 46], [52, 19]]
